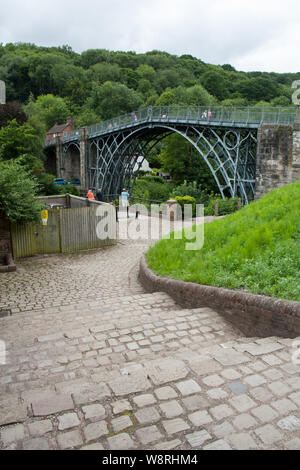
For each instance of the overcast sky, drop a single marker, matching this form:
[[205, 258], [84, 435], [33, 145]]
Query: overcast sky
[[250, 35]]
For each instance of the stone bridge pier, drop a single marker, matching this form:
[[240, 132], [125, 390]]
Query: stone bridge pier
[[278, 156], [72, 159]]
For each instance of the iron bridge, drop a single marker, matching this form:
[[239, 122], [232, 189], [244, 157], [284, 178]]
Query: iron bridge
[[226, 138]]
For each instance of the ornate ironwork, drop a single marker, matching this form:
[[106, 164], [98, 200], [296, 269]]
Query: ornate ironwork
[[225, 137]]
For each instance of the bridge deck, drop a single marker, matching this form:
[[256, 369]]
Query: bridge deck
[[215, 116]]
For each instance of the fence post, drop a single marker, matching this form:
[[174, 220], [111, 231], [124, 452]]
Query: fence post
[[216, 208]]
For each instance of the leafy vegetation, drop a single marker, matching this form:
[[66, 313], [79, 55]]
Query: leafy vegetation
[[149, 187], [18, 191], [256, 249], [225, 206]]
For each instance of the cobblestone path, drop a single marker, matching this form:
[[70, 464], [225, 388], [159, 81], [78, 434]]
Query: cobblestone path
[[94, 362]]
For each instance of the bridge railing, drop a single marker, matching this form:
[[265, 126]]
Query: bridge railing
[[214, 115], [199, 114]]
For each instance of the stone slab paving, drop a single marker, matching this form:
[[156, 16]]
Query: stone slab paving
[[97, 363]]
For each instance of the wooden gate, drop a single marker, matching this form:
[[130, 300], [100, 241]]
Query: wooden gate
[[67, 230]]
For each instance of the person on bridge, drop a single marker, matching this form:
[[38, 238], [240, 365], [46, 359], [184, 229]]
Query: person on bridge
[[124, 200], [90, 195], [99, 195]]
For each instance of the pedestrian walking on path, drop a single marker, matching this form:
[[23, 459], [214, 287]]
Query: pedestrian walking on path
[[124, 200], [90, 195], [99, 195]]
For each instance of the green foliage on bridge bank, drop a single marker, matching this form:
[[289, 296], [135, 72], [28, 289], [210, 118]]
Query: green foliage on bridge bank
[[256, 249]]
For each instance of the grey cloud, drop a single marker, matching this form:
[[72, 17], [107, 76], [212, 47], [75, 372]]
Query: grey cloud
[[216, 32]]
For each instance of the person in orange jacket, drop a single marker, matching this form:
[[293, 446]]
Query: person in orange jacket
[[90, 195]]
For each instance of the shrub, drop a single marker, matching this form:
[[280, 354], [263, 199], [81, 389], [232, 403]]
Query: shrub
[[225, 206], [148, 189], [18, 193], [201, 195], [182, 200], [157, 179]]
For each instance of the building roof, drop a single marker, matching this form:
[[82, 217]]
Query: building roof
[[57, 128]]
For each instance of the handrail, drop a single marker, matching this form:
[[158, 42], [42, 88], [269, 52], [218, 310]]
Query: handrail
[[214, 115]]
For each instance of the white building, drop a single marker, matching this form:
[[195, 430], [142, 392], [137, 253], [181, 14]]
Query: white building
[[144, 166]]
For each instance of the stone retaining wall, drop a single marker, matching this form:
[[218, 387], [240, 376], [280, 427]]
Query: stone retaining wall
[[254, 315]]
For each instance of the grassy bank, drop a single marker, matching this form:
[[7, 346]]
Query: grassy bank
[[256, 249]]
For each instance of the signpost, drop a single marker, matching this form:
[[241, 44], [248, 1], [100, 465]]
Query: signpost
[[44, 217]]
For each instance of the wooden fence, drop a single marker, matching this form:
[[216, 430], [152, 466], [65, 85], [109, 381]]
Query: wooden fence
[[67, 230]]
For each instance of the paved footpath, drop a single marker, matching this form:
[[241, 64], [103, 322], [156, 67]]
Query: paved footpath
[[94, 362]]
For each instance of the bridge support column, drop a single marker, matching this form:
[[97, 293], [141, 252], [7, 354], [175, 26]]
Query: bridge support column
[[278, 157], [84, 154], [59, 157]]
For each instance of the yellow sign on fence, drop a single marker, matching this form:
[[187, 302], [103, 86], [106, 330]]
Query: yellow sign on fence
[[44, 217]]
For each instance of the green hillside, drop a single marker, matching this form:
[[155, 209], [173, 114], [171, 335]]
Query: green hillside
[[256, 249], [99, 84]]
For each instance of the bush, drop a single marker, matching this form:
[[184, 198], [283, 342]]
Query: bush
[[225, 206], [182, 200], [156, 179], [201, 195], [148, 189], [18, 193], [65, 189]]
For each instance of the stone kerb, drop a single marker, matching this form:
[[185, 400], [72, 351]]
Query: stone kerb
[[254, 315]]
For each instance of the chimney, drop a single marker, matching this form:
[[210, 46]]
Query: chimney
[[70, 122]]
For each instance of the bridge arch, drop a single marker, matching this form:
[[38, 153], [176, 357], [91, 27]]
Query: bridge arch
[[229, 154], [71, 161]]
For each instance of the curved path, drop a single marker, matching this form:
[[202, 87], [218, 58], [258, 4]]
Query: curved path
[[93, 361]]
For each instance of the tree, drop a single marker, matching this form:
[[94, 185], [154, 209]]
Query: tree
[[18, 193], [11, 111], [16, 141], [113, 99], [184, 163], [258, 89], [198, 96], [215, 83], [146, 72], [49, 108], [167, 98], [24, 145], [104, 72], [93, 56]]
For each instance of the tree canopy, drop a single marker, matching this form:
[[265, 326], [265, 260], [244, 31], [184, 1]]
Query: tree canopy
[[60, 81]]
